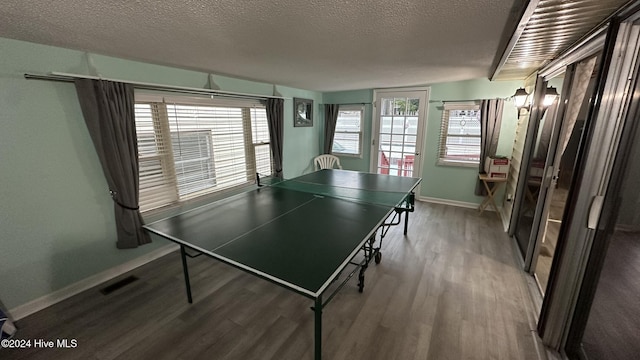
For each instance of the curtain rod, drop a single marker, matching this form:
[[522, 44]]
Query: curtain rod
[[359, 103], [453, 101], [472, 100], [64, 77]]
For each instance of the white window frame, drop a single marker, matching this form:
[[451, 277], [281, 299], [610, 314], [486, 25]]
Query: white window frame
[[444, 128], [167, 195], [360, 132]]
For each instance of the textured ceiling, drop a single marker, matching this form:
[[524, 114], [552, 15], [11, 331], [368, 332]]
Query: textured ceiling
[[323, 45]]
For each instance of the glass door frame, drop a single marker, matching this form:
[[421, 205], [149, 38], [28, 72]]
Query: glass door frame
[[588, 48], [543, 201], [628, 36], [421, 93], [535, 115], [604, 231], [589, 185], [554, 155]]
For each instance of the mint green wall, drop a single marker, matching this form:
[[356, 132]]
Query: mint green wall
[[56, 216], [442, 182], [458, 183]]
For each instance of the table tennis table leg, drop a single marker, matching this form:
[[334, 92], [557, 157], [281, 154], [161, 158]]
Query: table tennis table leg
[[185, 269], [406, 221], [317, 311], [410, 204]]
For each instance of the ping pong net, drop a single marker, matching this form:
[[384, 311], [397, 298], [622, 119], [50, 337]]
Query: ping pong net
[[384, 193]]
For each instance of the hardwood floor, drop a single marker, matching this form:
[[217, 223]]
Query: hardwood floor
[[450, 289]]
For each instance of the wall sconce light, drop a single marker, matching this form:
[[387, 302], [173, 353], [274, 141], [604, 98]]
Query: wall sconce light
[[521, 99]]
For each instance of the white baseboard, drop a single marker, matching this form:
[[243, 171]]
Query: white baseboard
[[43, 302], [463, 204]]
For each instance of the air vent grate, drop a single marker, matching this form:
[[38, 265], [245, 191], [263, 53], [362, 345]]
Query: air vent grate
[[118, 285]]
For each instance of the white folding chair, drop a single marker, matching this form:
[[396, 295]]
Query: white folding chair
[[327, 161]]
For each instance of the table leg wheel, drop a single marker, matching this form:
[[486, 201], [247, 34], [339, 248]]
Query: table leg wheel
[[378, 257]]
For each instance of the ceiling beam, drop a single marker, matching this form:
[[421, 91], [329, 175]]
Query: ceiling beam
[[524, 20]]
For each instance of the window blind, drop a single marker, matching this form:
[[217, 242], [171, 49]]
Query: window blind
[[157, 175], [348, 133], [261, 141], [190, 147], [460, 133]]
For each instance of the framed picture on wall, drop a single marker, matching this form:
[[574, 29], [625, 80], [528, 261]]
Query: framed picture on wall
[[302, 112]]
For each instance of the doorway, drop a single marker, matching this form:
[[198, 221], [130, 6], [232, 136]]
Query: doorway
[[606, 321], [561, 168], [577, 263], [398, 132], [556, 133], [541, 133]]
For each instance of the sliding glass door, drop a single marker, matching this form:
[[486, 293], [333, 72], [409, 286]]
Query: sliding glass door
[[594, 211], [613, 323], [539, 137], [606, 320], [560, 166]]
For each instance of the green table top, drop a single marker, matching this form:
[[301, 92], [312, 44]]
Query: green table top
[[298, 233]]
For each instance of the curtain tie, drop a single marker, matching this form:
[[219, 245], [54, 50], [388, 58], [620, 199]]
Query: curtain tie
[[114, 197]]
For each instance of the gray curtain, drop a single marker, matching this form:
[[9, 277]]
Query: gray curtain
[[330, 120], [275, 118], [108, 109], [490, 122]]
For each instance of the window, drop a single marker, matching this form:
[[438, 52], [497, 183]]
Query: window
[[190, 147], [348, 136], [460, 134]]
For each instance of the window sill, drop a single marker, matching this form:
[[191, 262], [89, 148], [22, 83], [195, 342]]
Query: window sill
[[467, 164], [355, 156]]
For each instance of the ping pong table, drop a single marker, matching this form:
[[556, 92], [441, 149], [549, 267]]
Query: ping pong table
[[299, 233]]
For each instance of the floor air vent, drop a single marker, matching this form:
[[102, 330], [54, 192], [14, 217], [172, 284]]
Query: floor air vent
[[117, 285]]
